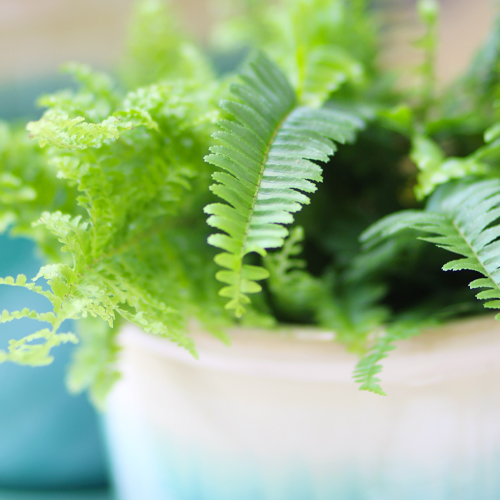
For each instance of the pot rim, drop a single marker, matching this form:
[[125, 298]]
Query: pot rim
[[458, 349]]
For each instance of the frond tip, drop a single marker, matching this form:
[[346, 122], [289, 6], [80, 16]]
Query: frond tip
[[265, 152]]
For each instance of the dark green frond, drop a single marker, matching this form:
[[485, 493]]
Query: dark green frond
[[465, 221]]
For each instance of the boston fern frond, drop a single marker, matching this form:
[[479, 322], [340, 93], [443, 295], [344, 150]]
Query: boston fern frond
[[463, 220], [369, 366], [266, 152]]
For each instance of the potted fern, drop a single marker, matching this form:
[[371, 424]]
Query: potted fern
[[133, 165]]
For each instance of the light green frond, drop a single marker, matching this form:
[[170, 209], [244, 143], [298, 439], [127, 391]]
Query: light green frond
[[158, 49], [34, 349], [436, 169], [24, 352], [20, 281], [94, 362], [324, 70], [7, 316], [266, 153], [75, 133]]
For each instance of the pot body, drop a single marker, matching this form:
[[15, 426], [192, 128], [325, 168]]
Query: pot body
[[276, 416]]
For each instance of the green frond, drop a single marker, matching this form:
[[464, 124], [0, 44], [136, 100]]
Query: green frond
[[24, 352], [20, 281], [321, 44], [7, 316], [94, 362], [126, 164], [324, 70], [158, 49], [292, 288], [465, 220], [368, 367], [266, 154], [436, 169], [75, 133], [34, 349]]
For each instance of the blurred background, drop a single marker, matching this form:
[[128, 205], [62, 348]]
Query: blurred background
[[50, 443], [37, 36]]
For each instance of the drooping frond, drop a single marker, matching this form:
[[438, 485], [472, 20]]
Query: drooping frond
[[34, 349], [266, 152], [464, 221], [368, 367]]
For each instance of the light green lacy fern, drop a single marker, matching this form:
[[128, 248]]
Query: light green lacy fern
[[266, 152], [131, 160]]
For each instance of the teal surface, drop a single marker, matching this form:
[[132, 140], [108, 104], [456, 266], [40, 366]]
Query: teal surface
[[58, 495], [48, 438], [64, 495]]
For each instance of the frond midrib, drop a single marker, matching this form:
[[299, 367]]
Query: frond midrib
[[254, 201]]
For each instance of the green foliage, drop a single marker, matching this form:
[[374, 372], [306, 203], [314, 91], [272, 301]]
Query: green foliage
[[369, 366], [461, 220], [34, 350], [436, 169], [294, 291], [157, 49], [114, 185], [128, 233], [265, 152], [74, 133], [29, 187], [428, 11], [322, 45]]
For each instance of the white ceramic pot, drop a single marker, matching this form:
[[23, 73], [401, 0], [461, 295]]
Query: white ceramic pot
[[276, 416]]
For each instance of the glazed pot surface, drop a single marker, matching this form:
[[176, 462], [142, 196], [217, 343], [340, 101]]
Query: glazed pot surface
[[276, 416]]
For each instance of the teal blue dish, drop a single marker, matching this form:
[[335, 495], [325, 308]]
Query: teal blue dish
[[48, 438]]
